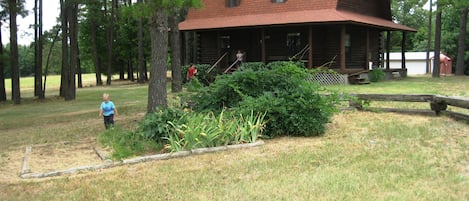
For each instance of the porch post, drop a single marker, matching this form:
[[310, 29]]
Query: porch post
[[310, 52], [388, 49], [195, 56], [218, 45], [403, 49], [263, 56], [367, 50], [342, 48]]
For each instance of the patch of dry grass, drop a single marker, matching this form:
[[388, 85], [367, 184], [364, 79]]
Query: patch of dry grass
[[363, 156]]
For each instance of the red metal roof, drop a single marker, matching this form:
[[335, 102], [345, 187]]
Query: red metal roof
[[215, 15]]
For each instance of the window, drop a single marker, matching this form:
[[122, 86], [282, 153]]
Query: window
[[225, 42], [278, 1], [293, 43], [348, 47], [232, 3]]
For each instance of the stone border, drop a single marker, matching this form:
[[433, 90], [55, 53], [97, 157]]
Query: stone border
[[25, 173], [25, 166]]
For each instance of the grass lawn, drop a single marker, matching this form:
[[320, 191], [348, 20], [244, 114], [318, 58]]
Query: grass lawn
[[362, 156]]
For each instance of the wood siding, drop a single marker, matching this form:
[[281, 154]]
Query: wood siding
[[207, 50]]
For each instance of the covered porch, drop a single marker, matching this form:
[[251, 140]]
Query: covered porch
[[346, 48]]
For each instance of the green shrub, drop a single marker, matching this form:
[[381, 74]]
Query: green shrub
[[255, 66], [229, 90], [126, 143], [293, 106], [155, 126], [194, 85], [281, 64], [376, 75], [299, 111]]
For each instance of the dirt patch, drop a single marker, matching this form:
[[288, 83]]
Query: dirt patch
[[48, 157], [10, 165], [62, 156]]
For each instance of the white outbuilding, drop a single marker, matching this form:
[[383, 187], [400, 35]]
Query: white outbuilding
[[416, 63]]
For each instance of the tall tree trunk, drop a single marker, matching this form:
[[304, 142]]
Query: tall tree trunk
[[38, 44], [122, 68], [436, 60], [3, 95], [48, 59], [64, 81], [110, 42], [176, 81], [159, 57], [462, 42], [74, 45], [73, 31], [96, 59], [130, 69], [15, 70], [429, 38], [79, 73], [141, 57]]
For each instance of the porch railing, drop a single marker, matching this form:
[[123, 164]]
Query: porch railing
[[231, 66], [216, 63], [302, 52]]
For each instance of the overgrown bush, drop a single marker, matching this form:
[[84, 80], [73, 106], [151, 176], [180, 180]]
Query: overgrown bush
[[229, 90], [194, 85], [126, 143], [299, 111], [376, 75], [280, 64], [155, 126], [293, 106], [255, 66]]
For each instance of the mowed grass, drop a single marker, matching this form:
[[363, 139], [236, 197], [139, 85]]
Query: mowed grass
[[362, 156]]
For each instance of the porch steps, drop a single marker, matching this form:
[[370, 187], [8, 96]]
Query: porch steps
[[356, 78]]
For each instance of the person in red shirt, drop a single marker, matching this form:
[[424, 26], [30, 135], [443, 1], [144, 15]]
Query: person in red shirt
[[191, 72]]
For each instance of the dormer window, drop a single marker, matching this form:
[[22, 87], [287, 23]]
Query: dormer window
[[232, 3], [278, 1]]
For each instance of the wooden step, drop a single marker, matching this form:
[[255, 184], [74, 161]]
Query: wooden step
[[358, 80]]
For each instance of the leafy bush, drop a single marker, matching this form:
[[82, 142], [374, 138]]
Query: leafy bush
[[295, 111], [194, 85], [155, 126], [293, 106], [281, 64], [255, 66], [229, 90], [376, 75], [126, 143]]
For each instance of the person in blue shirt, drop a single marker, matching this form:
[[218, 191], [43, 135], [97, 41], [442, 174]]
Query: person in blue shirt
[[108, 110]]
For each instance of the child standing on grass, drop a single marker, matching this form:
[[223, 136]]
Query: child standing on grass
[[108, 110]]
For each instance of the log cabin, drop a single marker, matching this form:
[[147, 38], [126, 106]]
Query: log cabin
[[348, 36]]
